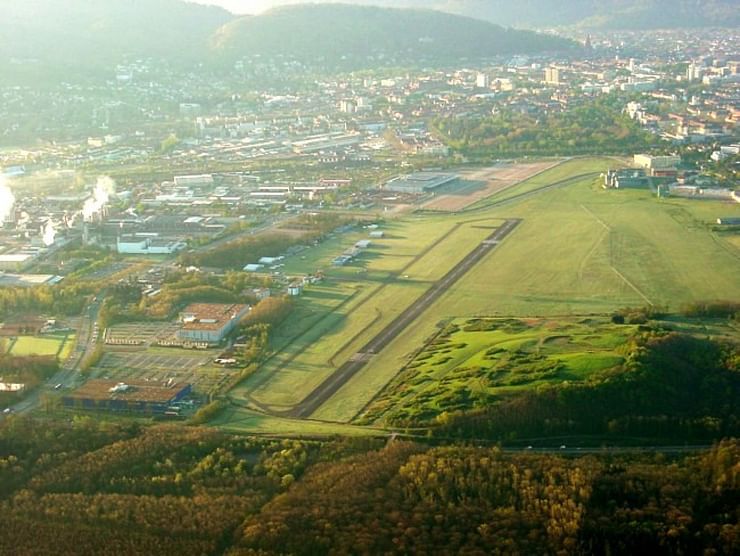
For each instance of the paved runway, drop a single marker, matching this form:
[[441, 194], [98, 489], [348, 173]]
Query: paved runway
[[344, 373]]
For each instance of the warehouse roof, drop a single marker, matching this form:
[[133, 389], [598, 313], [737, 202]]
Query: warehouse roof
[[210, 316], [134, 391]]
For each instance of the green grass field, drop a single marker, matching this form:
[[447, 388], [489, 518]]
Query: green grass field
[[579, 250], [53, 345], [474, 361], [239, 420], [332, 322], [560, 172]]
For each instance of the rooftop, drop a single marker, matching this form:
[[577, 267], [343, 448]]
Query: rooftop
[[210, 316], [137, 391], [420, 180]]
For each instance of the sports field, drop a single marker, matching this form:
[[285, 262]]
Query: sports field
[[57, 345], [579, 250]]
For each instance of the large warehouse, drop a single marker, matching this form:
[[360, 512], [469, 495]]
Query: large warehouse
[[210, 322], [420, 182], [133, 396]]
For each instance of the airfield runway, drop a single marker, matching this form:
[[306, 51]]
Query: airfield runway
[[344, 373]]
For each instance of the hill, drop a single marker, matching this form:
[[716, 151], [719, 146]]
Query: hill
[[344, 33], [595, 14], [90, 33]]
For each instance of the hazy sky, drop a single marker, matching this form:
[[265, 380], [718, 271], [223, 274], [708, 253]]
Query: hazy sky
[[245, 6], [256, 6]]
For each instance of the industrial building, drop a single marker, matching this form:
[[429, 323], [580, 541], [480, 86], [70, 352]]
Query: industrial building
[[148, 245], [420, 182], [631, 177], [197, 181], [210, 322], [28, 280], [133, 396], [17, 260], [657, 162], [329, 141]]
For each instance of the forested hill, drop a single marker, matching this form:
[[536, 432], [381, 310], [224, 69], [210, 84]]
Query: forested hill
[[79, 33], [608, 14], [341, 32], [596, 14], [88, 35]]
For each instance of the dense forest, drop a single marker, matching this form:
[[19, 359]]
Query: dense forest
[[598, 127], [67, 299], [87, 487]]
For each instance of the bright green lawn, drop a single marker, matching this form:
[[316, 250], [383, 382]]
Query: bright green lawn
[[479, 360], [37, 345]]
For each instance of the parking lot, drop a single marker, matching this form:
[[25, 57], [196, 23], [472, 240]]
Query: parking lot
[[195, 367], [140, 333]]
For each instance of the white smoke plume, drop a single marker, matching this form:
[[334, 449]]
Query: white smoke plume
[[49, 233], [7, 200], [23, 219], [101, 194]]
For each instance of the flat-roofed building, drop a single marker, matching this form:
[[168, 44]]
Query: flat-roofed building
[[657, 162], [148, 245], [330, 141], [420, 182], [131, 396], [199, 180], [18, 260], [28, 280], [210, 322]]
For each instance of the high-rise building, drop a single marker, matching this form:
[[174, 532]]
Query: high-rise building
[[482, 81], [552, 76], [694, 72]]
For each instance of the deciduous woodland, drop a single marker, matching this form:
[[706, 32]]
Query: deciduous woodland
[[86, 487]]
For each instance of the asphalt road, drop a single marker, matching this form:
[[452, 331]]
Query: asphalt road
[[340, 377], [67, 374]]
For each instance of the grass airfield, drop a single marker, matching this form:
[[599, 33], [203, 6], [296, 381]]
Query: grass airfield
[[580, 250]]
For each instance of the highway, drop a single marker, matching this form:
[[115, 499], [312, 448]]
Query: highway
[[340, 377]]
